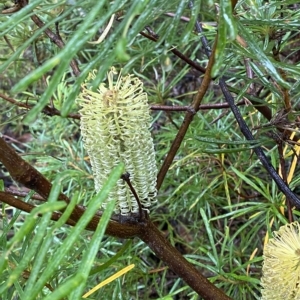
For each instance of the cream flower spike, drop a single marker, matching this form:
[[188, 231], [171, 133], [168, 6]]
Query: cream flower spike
[[115, 123], [281, 268]]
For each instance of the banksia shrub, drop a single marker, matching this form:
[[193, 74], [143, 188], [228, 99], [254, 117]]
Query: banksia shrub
[[281, 268], [115, 123]]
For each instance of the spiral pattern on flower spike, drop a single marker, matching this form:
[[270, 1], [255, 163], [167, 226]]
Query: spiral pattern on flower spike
[[115, 124]]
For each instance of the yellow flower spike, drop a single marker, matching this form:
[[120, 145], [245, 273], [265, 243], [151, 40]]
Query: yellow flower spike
[[115, 123], [281, 267]]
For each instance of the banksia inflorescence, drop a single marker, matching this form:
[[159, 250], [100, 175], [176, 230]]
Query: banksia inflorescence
[[115, 123], [281, 267]]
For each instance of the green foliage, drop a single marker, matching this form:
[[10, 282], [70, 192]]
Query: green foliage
[[217, 202], [35, 248]]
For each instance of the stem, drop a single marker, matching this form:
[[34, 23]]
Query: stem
[[186, 122], [174, 259]]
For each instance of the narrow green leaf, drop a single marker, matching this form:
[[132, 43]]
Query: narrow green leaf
[[81, 36], [224, 150], [64, 289], [98, 269], [16, 17], [121, 53], [250, 182], [90, 211], [253, 47], [31, 219], [227, 31], [29, 41], [227, 142], [90, 254], [41, 253], [210, 237], [30, 222], [31, 116], [229, 20]]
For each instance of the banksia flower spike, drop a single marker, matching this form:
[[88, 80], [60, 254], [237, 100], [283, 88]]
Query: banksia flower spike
[[115, 123], [281, 268]]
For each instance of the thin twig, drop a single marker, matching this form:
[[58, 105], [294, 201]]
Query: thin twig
[[190, 62], [186, 123], [186, 108], [27, 207], [49, 111], [126, 178]]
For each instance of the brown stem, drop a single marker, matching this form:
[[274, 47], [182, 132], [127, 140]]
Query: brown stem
[[187, 108], [49, 111], [27, 207], [12, 9], [186, 122], [113, 229], [177, 53], [16, 192], [147, 231], [167, 253], [13, 101]]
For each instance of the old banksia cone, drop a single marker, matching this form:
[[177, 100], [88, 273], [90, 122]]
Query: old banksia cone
[[281, 268], [115, 123]]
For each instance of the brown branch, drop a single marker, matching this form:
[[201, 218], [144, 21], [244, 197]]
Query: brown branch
[[187, 108], [186, 122], [27, 207], [177, 53], [13, 101], [11, 10], [167, 253], [16, 192], [56, 39], [49, 111], [156, 241], [154, 37]]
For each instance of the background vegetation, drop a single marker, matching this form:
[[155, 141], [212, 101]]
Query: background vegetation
[[217, 204]]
